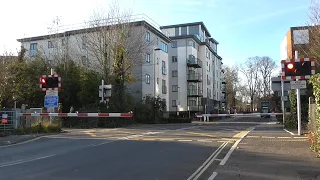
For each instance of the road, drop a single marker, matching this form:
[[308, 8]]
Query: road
[[172, 151]]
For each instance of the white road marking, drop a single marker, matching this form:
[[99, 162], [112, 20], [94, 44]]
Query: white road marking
[[210, 162], [284, 137], [289, 132], [24, 161], [205, 165], [300, 137], [253, 136], [94, 145], [199, 169], [185, 140], [268, 137], [204, 140], [225, 159], [213, 175]]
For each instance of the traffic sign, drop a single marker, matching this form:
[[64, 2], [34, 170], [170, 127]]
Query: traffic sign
[[298, 84], [51, 101], [4, 119]]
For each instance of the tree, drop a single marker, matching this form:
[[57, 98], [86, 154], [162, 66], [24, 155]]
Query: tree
[[116, 46], [266, 66], [5, 86], [232, 83], [24, 76], [250, 69]]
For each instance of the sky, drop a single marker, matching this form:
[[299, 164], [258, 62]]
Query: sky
[[243, 28]]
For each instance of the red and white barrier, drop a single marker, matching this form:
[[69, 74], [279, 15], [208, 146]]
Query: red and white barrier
[[122, 115], [207, 116]]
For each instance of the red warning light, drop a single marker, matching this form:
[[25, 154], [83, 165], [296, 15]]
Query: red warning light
[[42, 81], [290, 66]]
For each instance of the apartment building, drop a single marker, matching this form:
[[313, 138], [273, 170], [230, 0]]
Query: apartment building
[[194, 69], [297, 39], [150, 72], [180, 64]]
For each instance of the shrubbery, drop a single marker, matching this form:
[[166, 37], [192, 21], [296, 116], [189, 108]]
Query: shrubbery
[[39, 129]]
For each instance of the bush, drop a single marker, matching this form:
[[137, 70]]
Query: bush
[[290, 123], [38, 129]]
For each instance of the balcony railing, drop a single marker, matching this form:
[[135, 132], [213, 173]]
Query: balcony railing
[[195, 93], [194, 77], [194, 62]]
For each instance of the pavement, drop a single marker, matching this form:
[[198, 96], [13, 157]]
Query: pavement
[[245, 148], [13, 139]]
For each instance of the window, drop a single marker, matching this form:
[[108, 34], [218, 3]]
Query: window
[[50, 44], [175, 73], [33, 49], [192, 102], [84, 42], [174, 103], [174, 59], [148, 58], [63, 42], [147, 78], [84, 61], [184, 30], [164, 47], [164, 87], [207, 53], [158, 81], [148, 36], [208, 80], [174, 88], [194, 30], [177, 31], [192, 43], [164, 69], [174, 44]]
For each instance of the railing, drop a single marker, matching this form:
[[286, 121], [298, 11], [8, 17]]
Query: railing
[[194, 77], [194, 92], [194, 62]]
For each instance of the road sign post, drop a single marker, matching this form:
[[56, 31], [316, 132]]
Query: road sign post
[[298, 84], [298, 70], [51, 84]]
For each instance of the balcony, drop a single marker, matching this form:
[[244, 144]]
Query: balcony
[[164, 89], [194, 62], [194, 77], [195, 93]]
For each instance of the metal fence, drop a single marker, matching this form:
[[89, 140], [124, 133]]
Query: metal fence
[[12, 120]]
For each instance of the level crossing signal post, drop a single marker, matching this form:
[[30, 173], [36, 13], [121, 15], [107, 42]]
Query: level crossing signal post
[[51, 84], [297, 70]]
